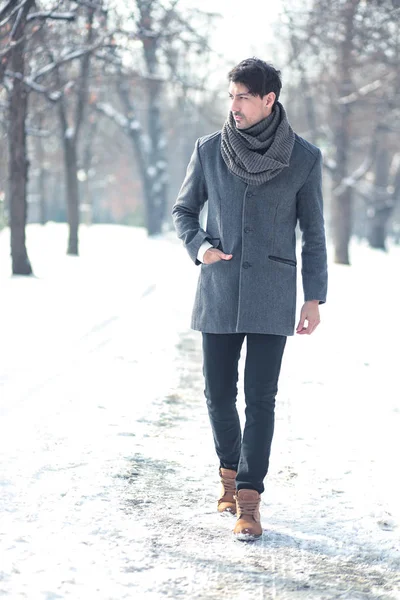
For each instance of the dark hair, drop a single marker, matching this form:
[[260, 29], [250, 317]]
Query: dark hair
[[258, 76]]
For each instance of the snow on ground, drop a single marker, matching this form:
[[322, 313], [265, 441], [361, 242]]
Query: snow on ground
[[108, 477]]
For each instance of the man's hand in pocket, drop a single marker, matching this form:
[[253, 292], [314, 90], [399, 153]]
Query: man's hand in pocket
[[214, 255]]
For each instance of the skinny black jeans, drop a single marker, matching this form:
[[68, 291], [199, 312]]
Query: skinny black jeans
[[249, 455]]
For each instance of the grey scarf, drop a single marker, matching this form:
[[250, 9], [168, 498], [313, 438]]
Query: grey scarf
[[261, 152]]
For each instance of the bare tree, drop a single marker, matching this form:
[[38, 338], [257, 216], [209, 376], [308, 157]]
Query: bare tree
[[12, 15], [18, 163], [42, 171], [74, 81], [70, 131], [16, 22], [385, 191], [162, 32], [343, 55], [342, 207], [29, 23]]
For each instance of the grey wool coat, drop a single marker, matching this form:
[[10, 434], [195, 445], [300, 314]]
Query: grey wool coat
[[255, 291]]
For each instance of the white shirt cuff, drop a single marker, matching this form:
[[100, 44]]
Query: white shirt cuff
[[202, 250]]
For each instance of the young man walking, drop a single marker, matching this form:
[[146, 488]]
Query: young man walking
[[260, 179]]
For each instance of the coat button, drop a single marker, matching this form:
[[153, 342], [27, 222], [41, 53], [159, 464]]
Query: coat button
[[248, 229], [246, 265]]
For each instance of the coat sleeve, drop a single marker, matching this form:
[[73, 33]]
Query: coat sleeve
[[186, 210], [311, 222]]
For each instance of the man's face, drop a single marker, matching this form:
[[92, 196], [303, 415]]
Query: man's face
[[248, 110]]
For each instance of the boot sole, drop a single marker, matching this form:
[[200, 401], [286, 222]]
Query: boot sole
[[228, 509], [246, 537]]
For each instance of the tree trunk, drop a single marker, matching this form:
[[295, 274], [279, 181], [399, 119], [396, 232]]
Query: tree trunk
[[146, 181], [42, 192], [396, 199], [342, 221], [87, 163], [141, 153], [157, 169], [307, 90], [71, 137], [42, 177], [71, 166], [18, 161], [378, 229], [342, 201], [383, 203], [157, 165]]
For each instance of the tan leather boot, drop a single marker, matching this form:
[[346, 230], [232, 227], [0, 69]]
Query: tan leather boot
[[226, 500], [248, 526]]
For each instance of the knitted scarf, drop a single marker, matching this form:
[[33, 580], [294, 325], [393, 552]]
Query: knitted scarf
[[262, 151]]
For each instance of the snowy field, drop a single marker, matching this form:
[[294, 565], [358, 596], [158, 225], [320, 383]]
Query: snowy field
[[108, 478]]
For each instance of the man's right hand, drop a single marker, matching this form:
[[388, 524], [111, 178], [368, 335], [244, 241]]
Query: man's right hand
[[213, 255]]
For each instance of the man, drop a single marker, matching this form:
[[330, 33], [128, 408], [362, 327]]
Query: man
[[260, 179]]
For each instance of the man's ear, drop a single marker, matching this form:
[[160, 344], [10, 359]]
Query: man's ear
[[270, 99]]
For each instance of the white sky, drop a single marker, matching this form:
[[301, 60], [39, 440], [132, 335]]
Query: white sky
[[245, 28]]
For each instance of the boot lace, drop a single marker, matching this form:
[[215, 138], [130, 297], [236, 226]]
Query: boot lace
[[229, 485], [247, 507]]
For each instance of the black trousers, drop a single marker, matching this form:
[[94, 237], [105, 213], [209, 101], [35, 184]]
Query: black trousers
[[221, 352]]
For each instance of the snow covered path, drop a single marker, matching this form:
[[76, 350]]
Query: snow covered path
[[107, 472]]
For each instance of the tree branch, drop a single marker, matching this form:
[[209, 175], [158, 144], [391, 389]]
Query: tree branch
[[52, 96], [16, 23], [366, 89], [110, 112], [68, 16], [23, 10], [8, 7], [352, 179], [169, 14], [70, 56], [88, 4]]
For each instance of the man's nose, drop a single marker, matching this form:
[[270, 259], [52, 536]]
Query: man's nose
[[234, 105]]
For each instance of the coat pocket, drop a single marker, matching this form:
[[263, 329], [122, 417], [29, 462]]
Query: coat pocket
[[215, 242], [286, 261]]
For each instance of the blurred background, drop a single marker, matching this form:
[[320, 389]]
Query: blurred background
[[106, 455], [102, 101]]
